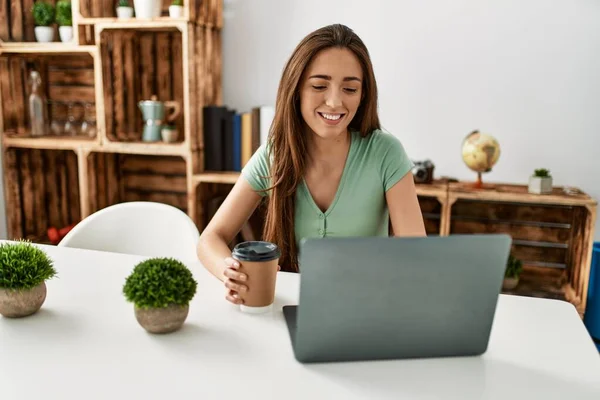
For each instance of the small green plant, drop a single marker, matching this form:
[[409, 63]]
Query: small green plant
[[64, 15], [541, 173], [177, 3], [24, 266], [43, 13], [160, 282], [514, 267], [123, 3]]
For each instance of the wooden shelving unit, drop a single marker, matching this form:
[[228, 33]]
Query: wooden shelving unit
[[111, 64]]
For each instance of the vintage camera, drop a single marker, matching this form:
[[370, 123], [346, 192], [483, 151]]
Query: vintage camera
[[423, 171]]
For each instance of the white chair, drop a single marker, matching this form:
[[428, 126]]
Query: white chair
[[138, 227]]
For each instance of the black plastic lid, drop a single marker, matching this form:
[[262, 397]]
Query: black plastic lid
[[256, 251]]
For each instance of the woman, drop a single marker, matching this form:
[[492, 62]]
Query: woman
[[327, 169]]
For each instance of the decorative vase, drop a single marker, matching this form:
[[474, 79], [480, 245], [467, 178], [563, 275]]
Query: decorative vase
[[162, 320], [65, 33], [147, 8], [540, 184], [176, 11], [169, 134], [22, 303], [44, 34], [510, 283], [124, 12]]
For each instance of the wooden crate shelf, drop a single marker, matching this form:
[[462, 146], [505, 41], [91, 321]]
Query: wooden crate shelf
[[41, 191], [68, 81]]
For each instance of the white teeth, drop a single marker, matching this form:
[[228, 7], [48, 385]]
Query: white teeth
[[332, 117]]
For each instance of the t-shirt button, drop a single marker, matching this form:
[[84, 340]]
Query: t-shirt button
[[321, 216], [321, 231]]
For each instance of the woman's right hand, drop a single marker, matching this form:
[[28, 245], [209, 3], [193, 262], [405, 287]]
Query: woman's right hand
[[234, 281]]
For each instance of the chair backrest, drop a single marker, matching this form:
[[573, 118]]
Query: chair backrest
[[141, 228]]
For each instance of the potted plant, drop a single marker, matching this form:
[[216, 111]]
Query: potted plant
[[147, 8], [64, 19], [540, 182], [160, 289], [124, 9], [176, 9], [43, 16], [24, 269], [169, 133], [514, 267]]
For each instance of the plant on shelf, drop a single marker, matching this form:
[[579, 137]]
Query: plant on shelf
[[64, 19], [44, 15], [176, 9], [124, 9], [514, 266], [540, 182], [24, 270], [161, 289]]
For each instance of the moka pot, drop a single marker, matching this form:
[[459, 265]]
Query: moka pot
[[153, 114]]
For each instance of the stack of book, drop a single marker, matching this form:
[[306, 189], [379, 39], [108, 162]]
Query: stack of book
[[231, 138]]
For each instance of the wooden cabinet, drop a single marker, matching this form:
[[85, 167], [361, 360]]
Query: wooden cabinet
[[552, 234]]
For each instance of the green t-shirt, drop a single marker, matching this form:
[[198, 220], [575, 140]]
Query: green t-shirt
[[374, 164]]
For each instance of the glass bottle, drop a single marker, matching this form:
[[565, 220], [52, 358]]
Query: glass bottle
[[88, 127], [37, 106]]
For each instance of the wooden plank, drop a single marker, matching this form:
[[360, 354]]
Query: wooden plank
[[208, 68], [534, 254], [585, 266], [146, 66], [218, 68], [518, 232], [101, 193], [29, 212], [119, 87], [72, 94], [73, 187], [63, 188], [163, 67], [112, 179], [178, 200], [513, 212], [8, 106], [153, 164], [70, 61], [29, 23], [131, 112], [4, 20], [52, 192], [82, 77], [97, 8], [85, 8], [16, 17], [39, 188], [92, 182], [160, 183], [107, 78], [19, 97], [177, 62], [14, 206]]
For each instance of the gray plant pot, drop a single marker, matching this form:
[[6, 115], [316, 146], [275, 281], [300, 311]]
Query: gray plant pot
[[22, 303], [162, 320]]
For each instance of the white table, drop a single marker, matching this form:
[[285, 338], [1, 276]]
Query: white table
[[86, 344]]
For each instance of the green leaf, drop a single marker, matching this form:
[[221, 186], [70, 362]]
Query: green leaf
[[160, 282], [43, 13], [24, 266]]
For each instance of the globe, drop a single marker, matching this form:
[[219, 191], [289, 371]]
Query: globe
[[480, 152]]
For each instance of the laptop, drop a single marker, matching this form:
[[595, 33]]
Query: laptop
[[376, 298]]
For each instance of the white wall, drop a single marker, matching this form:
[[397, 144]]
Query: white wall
[[527, 72]]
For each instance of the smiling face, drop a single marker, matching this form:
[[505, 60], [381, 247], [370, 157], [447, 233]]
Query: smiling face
[[330, 92]]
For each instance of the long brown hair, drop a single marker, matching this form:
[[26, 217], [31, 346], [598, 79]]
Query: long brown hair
[[287, 142]]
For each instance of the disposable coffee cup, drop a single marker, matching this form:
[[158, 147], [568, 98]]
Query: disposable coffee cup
[[258, 261]]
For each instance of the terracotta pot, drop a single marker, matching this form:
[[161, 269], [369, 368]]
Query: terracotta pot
[[162, 320], [22, 303], [510, 283]]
